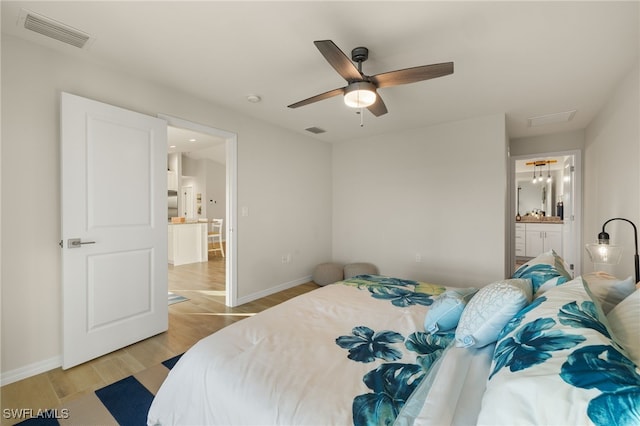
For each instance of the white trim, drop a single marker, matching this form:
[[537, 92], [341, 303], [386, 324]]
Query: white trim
[[231, 267], [272, 290], [231, 258], [30, 370]]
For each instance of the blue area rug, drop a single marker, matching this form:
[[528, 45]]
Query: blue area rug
[[176, 298], [127, 402]]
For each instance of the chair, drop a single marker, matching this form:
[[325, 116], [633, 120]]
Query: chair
[[215, 236]]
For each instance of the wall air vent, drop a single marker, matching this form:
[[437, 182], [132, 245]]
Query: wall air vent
[[54, 29], [315, 130]]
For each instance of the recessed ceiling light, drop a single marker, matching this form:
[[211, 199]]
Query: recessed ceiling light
[[254, 99], [559, 117], [192, 140]]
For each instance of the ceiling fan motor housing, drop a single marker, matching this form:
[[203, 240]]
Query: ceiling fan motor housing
[[359, 54]]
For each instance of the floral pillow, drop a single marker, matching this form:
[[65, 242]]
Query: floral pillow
[[545, 271], [556, 363]]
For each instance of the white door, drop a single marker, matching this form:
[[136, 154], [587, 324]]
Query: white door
[[187, 202], [114, 228]]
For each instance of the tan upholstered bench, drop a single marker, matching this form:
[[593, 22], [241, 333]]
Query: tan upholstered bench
[[353, 269], [328, 273]]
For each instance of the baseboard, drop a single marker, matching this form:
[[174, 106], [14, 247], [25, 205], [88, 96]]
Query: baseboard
[[30, 370], [272, 290]]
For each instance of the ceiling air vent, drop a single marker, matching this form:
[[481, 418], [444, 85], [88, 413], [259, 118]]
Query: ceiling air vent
[[54, 29], [559, 117], [315, 130]]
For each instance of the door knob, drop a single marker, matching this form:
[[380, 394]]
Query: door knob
[[77, 242]]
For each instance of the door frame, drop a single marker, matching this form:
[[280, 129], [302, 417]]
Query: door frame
[[577, 240], [231, 145]]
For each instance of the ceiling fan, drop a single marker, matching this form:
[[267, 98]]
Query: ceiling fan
[[361, 90]]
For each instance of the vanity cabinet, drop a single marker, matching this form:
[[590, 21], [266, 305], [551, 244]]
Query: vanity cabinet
[[542, 237], [521, 230]]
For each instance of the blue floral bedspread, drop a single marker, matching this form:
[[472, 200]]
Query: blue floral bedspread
[[392, 381], [347, 353]]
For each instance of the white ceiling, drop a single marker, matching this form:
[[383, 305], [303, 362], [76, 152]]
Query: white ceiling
[[523, 59], [196, 145]]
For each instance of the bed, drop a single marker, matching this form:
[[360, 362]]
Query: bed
[[536, 348]]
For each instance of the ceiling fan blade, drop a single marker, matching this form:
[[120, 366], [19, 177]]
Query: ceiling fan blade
[[316, 98], [378, 108], [412, 75], [338, 60]]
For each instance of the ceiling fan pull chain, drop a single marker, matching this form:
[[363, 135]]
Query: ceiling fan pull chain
[[361, 112]]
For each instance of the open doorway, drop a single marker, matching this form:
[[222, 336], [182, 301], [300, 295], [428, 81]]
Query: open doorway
[[546, 210], [204, 158]]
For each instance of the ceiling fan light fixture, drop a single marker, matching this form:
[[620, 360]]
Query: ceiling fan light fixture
[[360, 94]]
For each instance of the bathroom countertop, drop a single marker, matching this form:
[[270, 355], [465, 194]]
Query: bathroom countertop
[[544, 219]]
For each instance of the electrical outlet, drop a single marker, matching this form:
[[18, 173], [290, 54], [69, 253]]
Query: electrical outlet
[[418, 258], [285, 259]]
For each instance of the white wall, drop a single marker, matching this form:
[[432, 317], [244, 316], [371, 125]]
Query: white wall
[[214, 200], [283, 178], [439, 192], [555, 142], [612, 180]]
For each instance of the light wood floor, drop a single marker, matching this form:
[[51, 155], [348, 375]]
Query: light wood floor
[[189, 321]]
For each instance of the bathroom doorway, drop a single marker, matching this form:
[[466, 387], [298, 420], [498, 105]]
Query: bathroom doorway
[[545, 190]]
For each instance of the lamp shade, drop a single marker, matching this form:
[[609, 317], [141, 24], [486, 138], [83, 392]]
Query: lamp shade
[[604, 253], [360, 94]]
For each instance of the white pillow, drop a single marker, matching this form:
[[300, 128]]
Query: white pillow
[[444, 314], [607, 289], [490, 310], [624, 321]]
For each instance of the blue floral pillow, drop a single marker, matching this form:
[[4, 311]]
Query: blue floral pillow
[[545, 271], [556, 363]]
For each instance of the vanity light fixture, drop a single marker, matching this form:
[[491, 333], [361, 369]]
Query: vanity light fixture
[[541, 163], [609, 254]]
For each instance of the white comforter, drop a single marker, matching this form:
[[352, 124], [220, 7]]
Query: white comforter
[[347, 353]]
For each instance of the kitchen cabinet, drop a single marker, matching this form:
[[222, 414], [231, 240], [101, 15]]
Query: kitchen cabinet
[[542, 237], [187, 243], [172, 180]]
